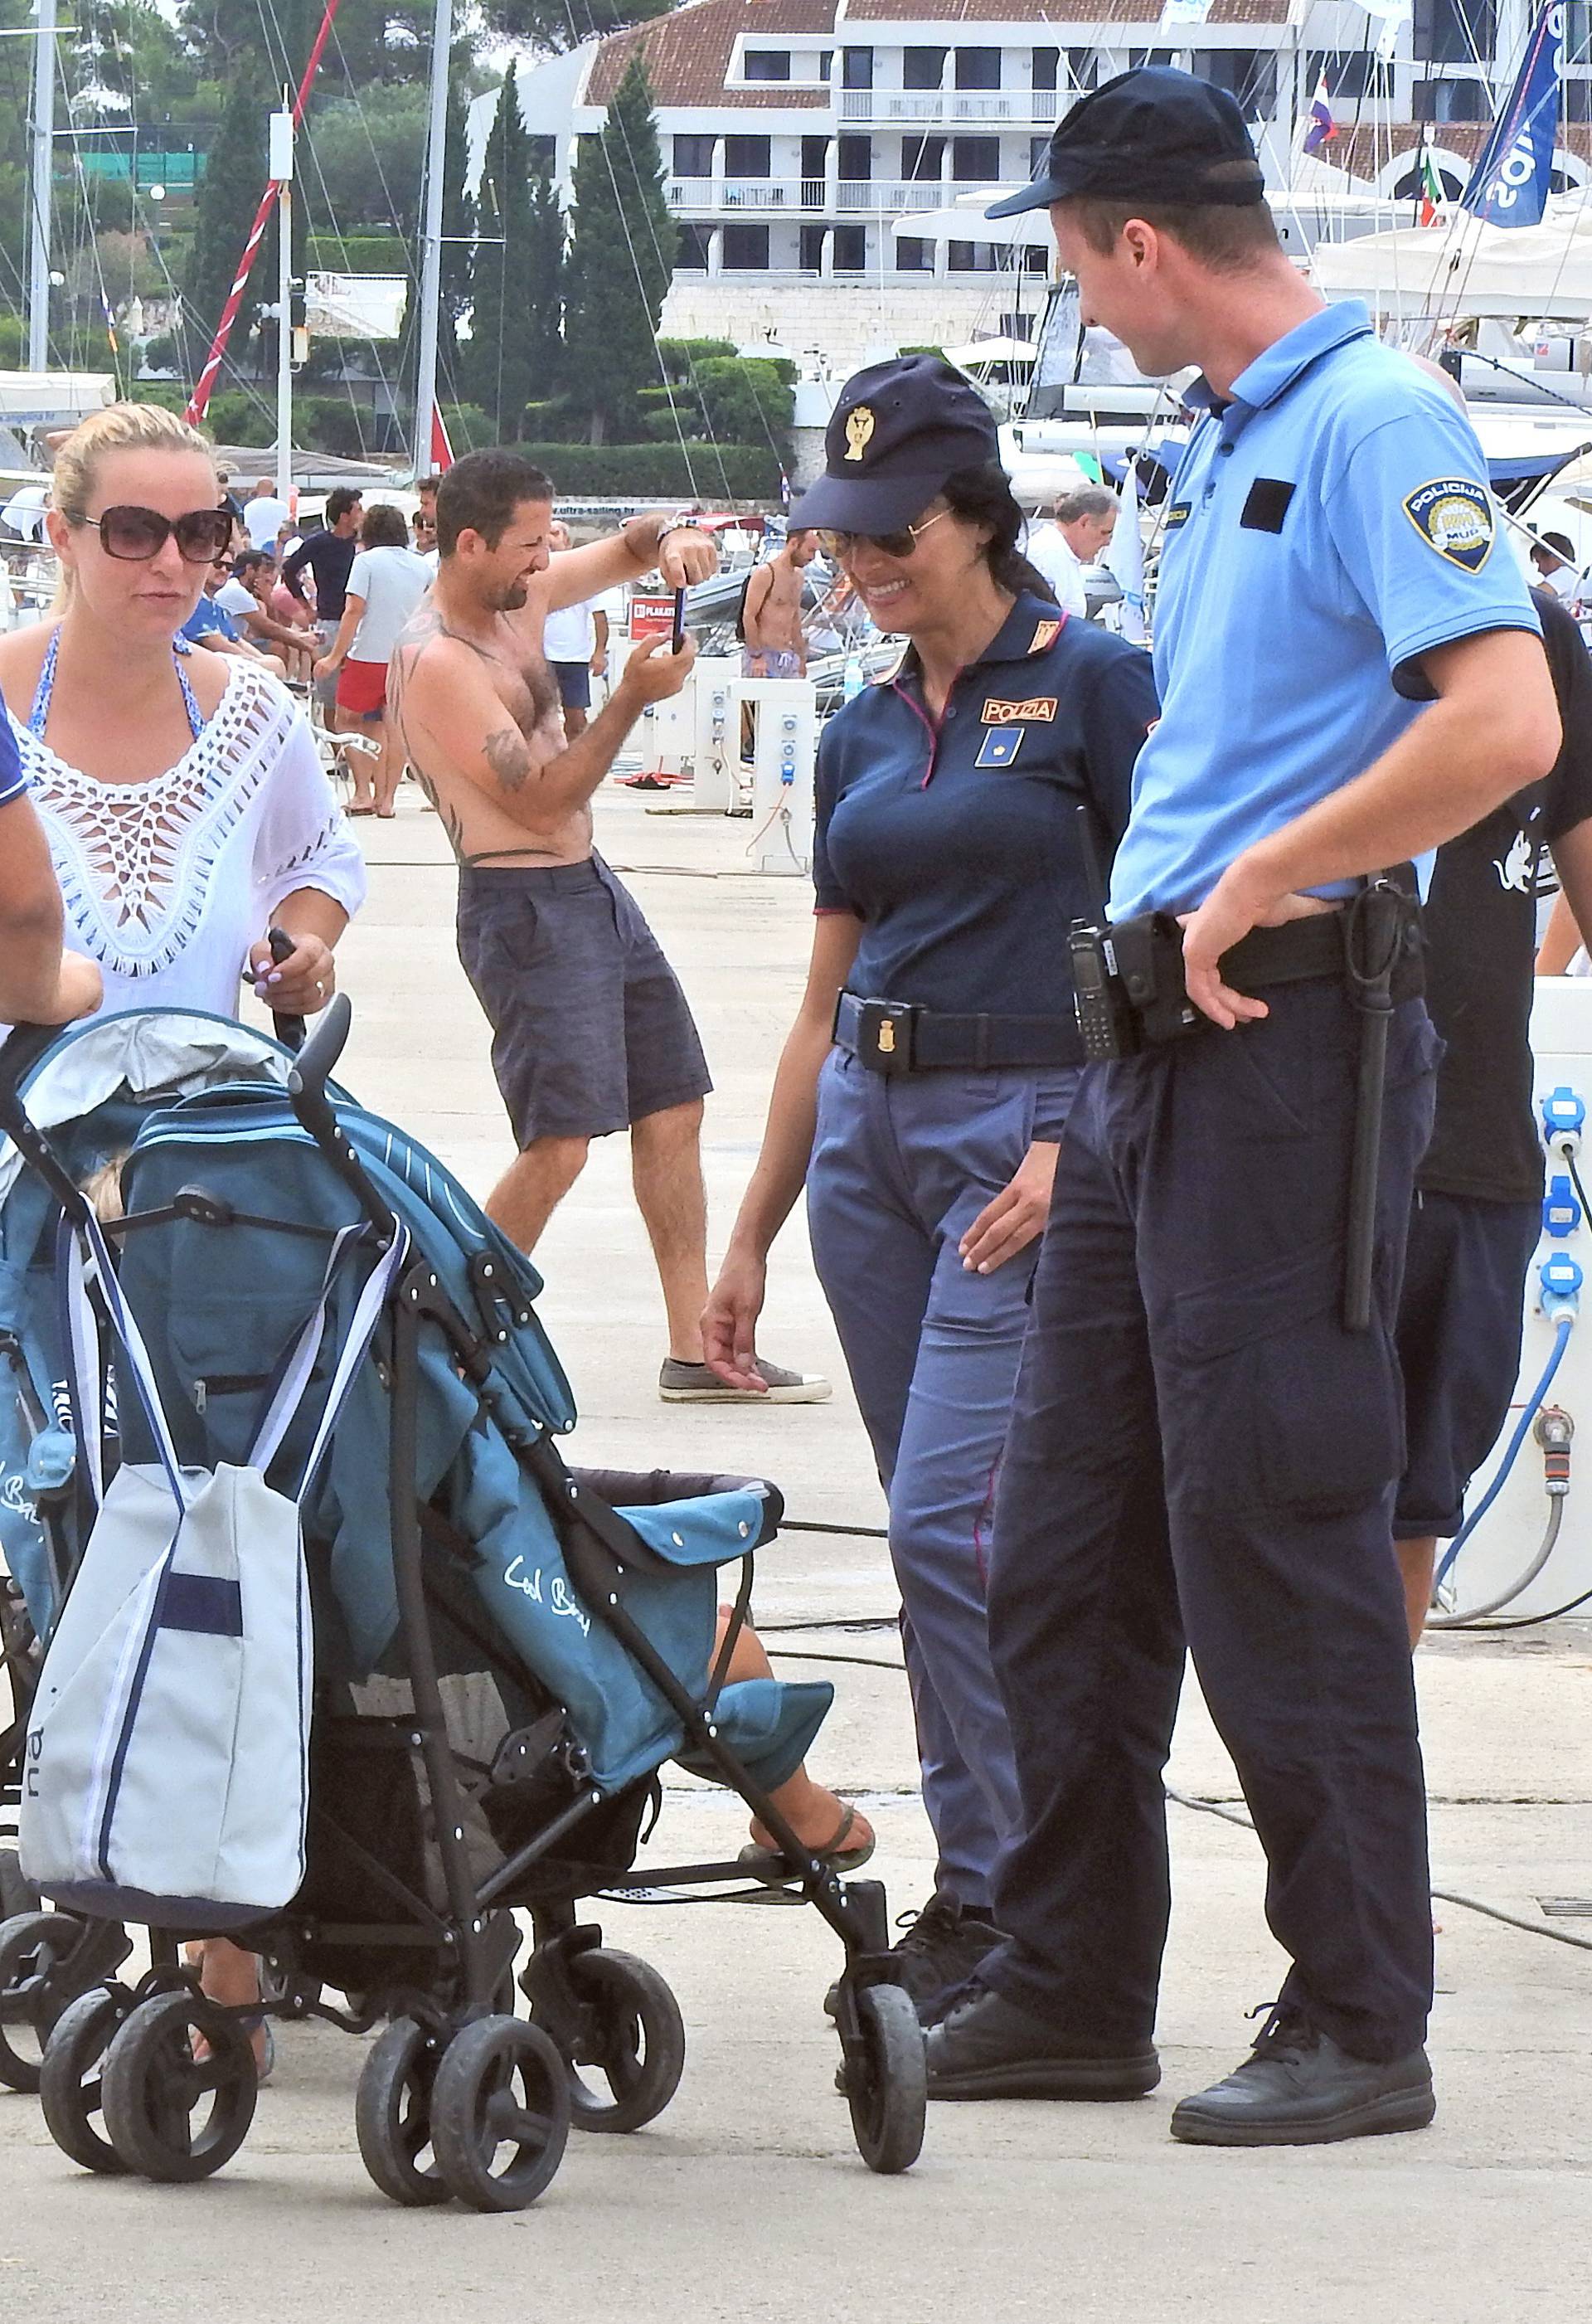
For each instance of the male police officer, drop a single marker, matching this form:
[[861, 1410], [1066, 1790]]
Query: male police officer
[[1201, 1446]]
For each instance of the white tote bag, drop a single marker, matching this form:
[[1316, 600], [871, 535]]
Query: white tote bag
[[167, 1771]]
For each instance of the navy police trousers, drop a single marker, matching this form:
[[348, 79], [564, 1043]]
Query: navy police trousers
[[1199, 1451]]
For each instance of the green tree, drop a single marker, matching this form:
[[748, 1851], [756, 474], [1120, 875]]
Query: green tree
[[499, 371], [235, 179], [622, 255], [560, 24], [544, 268]]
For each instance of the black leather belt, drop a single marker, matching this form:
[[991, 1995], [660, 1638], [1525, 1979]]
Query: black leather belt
[[897, 1036], [1298, 950]]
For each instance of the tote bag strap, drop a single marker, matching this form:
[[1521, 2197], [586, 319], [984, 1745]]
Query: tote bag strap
[[87, 1269]]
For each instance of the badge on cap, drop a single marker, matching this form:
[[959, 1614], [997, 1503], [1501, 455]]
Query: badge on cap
[[860, 426], [1000, 746], [1454, 515]]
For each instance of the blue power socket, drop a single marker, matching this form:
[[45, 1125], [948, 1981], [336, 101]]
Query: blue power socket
[[1561, 1279], [1564, 1113], [1561, 1212]]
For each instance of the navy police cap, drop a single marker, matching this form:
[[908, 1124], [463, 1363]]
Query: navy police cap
[[898, 429], [1153, 135]]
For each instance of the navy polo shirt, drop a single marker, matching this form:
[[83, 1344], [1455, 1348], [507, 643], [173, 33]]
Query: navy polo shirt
[[1327, 526], [956, 844]]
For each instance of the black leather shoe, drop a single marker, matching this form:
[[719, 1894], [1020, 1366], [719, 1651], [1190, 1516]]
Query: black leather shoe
[[941, 1947], [989, 2048], [1298, 2089]]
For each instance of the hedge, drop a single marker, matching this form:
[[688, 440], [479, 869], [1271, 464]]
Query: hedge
[[747, 471], [356, 253]]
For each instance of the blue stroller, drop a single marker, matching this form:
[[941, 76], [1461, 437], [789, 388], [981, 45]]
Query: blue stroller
[[506, 1650]]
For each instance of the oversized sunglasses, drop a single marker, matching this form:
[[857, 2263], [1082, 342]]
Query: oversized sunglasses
[[893, 544], [137, 534]]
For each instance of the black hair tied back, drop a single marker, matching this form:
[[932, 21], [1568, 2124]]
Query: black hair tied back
[[984, 497]]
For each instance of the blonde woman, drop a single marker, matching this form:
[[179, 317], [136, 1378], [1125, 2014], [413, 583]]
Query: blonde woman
[[181, 792]]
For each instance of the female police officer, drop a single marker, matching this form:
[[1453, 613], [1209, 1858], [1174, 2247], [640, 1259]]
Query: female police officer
[[922, 1092]]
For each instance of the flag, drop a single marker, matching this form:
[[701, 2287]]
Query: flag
[[1185, 12], [1323, 127], [442, 451], [1510, 183], [1124, 561], [1433, 193]]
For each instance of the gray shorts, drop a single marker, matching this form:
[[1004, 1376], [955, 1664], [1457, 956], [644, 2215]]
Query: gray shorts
[[591, 1031]]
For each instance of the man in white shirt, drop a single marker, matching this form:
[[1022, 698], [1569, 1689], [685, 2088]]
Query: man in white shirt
[[1085, 520], [264, 515], [574, 639]]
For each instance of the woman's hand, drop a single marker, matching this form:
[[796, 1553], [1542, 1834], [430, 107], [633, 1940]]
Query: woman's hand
[[328, 666], [299, 985], [1017, 1214], [730, 1322]]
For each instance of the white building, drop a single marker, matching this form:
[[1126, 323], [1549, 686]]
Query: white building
[[797, 134]]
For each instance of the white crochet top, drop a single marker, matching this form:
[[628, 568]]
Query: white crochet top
[[168, 883]]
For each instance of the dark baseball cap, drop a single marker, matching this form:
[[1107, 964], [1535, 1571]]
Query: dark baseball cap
[[1153, 136], [897, 431]]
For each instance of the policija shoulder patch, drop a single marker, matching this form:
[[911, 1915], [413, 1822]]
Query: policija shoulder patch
[[1454, 515]]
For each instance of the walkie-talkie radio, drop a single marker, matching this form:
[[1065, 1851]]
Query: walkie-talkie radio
[[1127, 979], [1104, 1018]]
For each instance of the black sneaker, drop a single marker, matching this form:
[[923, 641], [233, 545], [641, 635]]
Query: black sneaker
[[987, 2047], [1298, 2089], [941, 1947]]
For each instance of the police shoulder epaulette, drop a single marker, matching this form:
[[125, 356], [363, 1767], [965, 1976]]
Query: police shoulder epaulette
[[1045, 634]]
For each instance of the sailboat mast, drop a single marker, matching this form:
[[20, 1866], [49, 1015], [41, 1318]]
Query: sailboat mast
[[282, 172], [43, 141], [442, 35]]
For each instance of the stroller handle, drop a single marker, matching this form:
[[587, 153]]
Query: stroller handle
[[307, 1089], [23, 1047]]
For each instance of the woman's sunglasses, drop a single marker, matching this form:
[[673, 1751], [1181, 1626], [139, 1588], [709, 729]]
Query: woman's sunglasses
[[892, 544], [137, 534]]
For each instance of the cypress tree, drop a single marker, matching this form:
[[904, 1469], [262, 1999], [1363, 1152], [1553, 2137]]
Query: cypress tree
[[545, 273], [234, 182], [497, 369], [622, 255]]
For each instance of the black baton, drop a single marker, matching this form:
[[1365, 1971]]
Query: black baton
[[1373, 936]]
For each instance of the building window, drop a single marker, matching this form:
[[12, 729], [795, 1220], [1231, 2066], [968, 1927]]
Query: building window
[[746, 249], [922, 67], [1084, 67], [923, 158], [765, 64], [978, 68], [690, 258], [1038, 154], [849, 250], [746, 157], [1249, 75], [1453, 32], [1137, 56], [811, 249], [825, 63], [1577, 34], [1348, 73], [914, 255], [854, 158], [975, 258], [694, 157], [1046, 63], [975, 161], [1451, 100], [855, 68], [542, 153], [1578, 100]]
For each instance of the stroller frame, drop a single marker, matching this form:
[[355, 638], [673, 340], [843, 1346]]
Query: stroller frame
[[445, 2072]]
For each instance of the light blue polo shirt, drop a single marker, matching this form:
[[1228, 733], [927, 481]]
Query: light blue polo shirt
[[1325, 527]]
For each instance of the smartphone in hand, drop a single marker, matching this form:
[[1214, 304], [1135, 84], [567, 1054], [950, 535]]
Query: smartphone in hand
[[677, 640]]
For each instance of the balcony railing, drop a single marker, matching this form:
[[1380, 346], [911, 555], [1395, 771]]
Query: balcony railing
[[1021, 107], [700, 198]]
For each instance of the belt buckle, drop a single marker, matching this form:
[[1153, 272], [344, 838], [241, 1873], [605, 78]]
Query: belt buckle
[[885, 1035]]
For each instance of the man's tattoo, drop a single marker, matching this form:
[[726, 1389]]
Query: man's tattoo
[[506, 754]]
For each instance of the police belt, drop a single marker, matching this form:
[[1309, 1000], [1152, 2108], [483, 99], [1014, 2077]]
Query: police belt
[[898, 1036]]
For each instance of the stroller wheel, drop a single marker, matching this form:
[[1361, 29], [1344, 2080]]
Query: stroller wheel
[[17, 1895], [392, 2116], [71, 2084], [169, 2115], [627, 2027], [500, 2114], [887, 2087], [34, 1948]]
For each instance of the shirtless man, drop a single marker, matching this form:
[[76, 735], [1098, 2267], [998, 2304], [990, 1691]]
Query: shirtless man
[[771, 612], [591, 1031]]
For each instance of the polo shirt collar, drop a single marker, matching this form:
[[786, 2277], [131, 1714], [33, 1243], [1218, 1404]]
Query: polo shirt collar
[[1031, 627], [1276, 368]]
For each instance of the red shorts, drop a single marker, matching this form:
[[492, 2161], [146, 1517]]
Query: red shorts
[[362, 688]]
